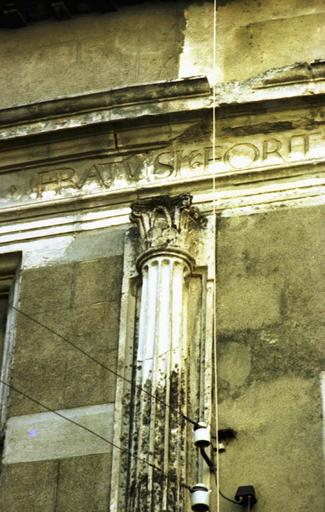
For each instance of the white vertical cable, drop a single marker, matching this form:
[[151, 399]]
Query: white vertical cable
[[214, 65]]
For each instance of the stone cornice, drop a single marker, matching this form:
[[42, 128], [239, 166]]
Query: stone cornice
[[116, 105], [298, 82], [297, 85], [104, 150]]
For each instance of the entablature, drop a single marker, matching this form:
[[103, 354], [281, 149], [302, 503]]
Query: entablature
[[107, 149]]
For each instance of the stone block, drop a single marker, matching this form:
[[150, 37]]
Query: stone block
[[234, 363], [84, 484], [96, 327], [46, 288], [43, 380], [95, 245], [196, 57], [97, 281], [39, 363], [55, 373], [30, 487], [75, 484], [281, 248], [87, 383], [269, 389]]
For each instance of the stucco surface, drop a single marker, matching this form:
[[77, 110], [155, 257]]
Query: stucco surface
[[71, 484], [153, 42], [134, 45], [254, 48], [270, 364], [252, 36], [81, 302], [77, 294]]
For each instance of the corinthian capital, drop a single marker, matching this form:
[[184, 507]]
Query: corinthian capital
[[167, 222]]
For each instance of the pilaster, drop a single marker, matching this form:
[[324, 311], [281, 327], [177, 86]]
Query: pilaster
[[167, 228]]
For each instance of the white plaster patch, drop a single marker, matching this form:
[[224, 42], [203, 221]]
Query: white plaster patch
[[40, 252], [45, 436], [196, 58], [82, 245]]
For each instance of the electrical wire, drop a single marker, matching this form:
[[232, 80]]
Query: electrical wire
[[228, 499], [94, 360], [83, 427], [86, 354], [214, 328], [222, 494], [90, 431]]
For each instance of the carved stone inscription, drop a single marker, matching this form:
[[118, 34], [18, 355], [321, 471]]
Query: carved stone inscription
[[183, 162]]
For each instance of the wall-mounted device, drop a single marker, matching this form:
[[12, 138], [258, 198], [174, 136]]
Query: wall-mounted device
[[201, 434], [225, 435], [246, 496], [200, 494], [202, 440], [200, 498]]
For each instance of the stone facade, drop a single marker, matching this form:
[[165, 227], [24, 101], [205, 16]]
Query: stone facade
[[127, 246]]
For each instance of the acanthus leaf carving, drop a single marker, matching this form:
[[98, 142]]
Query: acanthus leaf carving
[[165, 222]]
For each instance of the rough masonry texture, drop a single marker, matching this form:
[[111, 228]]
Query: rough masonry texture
[[110, 114]]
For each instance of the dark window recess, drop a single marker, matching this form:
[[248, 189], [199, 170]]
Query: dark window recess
[[18, 13], [3, 321], [9, 264], [8, 267]]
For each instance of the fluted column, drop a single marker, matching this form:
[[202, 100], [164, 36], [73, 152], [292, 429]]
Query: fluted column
[[167, 228]]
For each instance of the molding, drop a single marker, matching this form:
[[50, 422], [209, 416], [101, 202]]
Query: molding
[[106, 165], [116, 105], [263, 193], [296, 173], [301, 84]]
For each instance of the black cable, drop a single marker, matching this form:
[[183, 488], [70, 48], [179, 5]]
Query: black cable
[[228, 499], [221, 493], [53, 411], [207, 459], [99, 436], [103, 365]]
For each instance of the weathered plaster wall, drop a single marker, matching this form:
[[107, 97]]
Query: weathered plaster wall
[[149, 43], [270, 336], [70, 484], [255, 36], [80, 301], [252, 36], [77, 294], [91, 53]]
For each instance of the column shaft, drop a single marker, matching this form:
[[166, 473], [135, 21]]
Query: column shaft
[[159, 433]]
